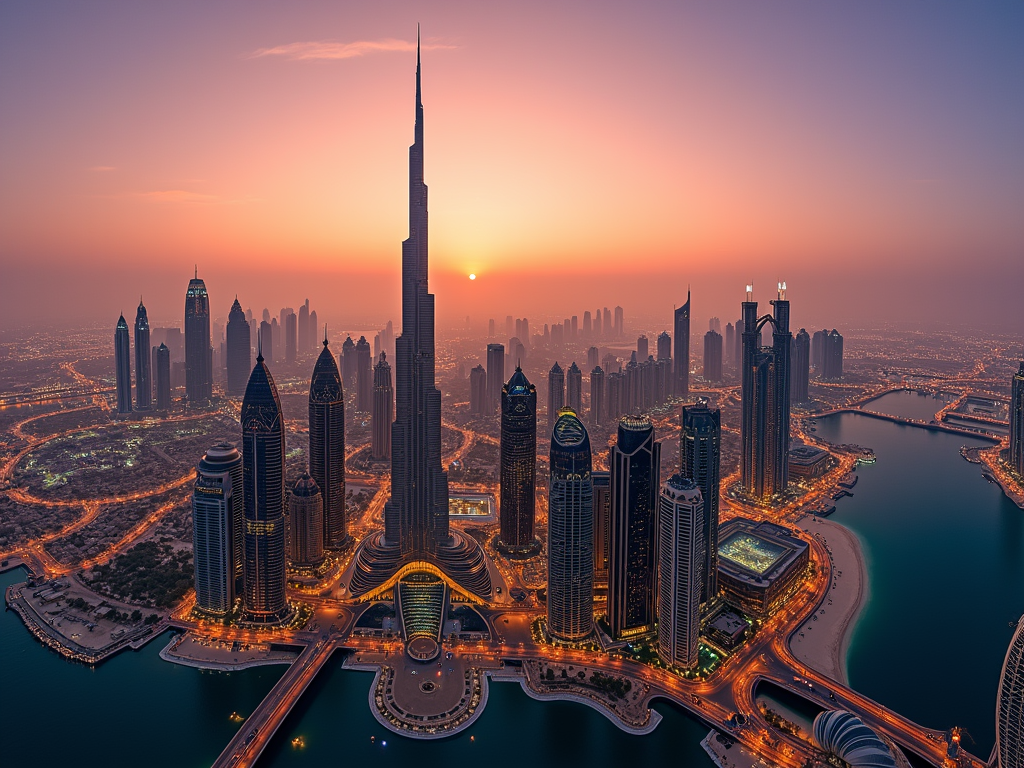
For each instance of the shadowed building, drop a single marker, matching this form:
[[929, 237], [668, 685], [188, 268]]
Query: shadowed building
[[681, 334], [642, 347], [801, 367], [664, 346], [364, 376], [163, 377], [556, 393], [263, 474], [635, 462], [574, 388], [348, 363], [495, 375], [305, 524], [217, 512], [518, 466], [1017, 421], [266, 339], [1010, 704], [143, 375], [700, 447], [729, 356], [198, 351], [713, 356], [123, 366], [239, 350], [291, 341], [593, 357], [681, 562], [602, 526], [478, 391], [570, 611], [304, 344], [597, 406], [832, 356], [327, 445], [383, 409]]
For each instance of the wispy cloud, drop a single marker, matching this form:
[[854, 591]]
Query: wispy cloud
[[327, 49], [187, 196], [102, 168]]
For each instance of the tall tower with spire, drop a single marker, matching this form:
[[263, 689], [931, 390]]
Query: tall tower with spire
[[123, 366], [239, 350], [681, 330], [198, 351], [143, 374], [327, 445]]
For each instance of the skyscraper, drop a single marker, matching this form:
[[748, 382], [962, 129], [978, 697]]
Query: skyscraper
[[593, 358], [304, 344], [327, 445], [832, 356], [143, 376], [1010, 704], [764, 422], [570, 613], [198, 351], [314, 329], [478, 391], [620, 325], [602, 526], [263, 474], [801, 371], [729, 356], [556, 393], [664, 346], [681, 563], [1017, 421], [364, 376], [635, 462], [383, 409], [239, 350], [700, 450], [574, 388], [305, 524], [597, 406], [818, 349], [266, 339], [291, 341], [518, 466], [217, 512], [642, 347], [588, 324], [495, 375], [123, 366], [348, 363], [712, 356], [681, 334], [163, 377]]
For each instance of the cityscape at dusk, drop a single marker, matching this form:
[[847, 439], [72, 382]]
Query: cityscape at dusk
[[557, 385]]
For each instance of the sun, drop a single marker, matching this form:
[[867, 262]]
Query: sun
[[472, 276]]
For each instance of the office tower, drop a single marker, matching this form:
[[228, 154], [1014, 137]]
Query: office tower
[[263, 474], [327, 445], [198, 352], [574, 328], [383, 409], [608, 327], [730, 345], [593, 358], [641, 348], [143, 375], [664, 346], [620, 330], [305, 524], [737, 353], [314, 330], [239, 350], [712, 356], [714, 324], [635, 462], [290, 323], [276, 342], [516, 351], [304, 327], [519, 326], [123, 366], [597, 324], [518, 466], [490, 328], [525, 335], [818, 350], [163, 377], [266, 340], [681, 564], [1010, 704], [764, 422], [832, 356], [574, 388], [597, 404], [801, 362], [556, 393], [588, 325], [570, 531], [364, 376], [700, 450], [601, 481], [495, 375], [478, 391], [1016, 454], [567, 334], [508, 326], [217, 512], [349, 366], [681, 334]]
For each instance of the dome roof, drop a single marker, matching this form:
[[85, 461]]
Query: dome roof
[[325, 385], [261, 407], [845, 735], [569, 430], [518, 384], [306, 486]]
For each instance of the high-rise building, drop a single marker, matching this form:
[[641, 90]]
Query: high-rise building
[[1010, 705], [478, 391], [642, 347], [681, 335], [593, 358], [143, 353], [518, 466], [198, 350], [570, 613], [348, 364], [556, 393], [602, 526], [266, 340], [314, 330], [495, 375], [712, 356], [620, 326], [764, 422], [1017, 421], [609, 329], [729, 356], [305, 524], [239, 350], [681, 563], [574, 388], [162, 357], [490, 328], [818, 350], [364, 376], [327, 445], [277, 342], [832, 356], [664, 346], [588, 324], [263, 474], [383, 409], [597, 406], [700, 451], [635, 462], [801, 367], [304, 327], [217, 512], [291, 341], [123, 366]]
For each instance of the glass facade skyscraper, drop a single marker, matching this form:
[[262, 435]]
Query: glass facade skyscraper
[[305, 524], [681, 562], [556, 393], [1010, 705], [198, 351], [383, 409], [700, 447], [681, 337], [239, 350], [327, 445], [1017, 421], [217, 518], [143, 361], [518, 466], [123, 366], [801, 367]]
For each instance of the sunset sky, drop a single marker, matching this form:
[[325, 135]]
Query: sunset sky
[[577, 154]]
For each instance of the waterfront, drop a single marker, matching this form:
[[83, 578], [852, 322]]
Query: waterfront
[[945, 556]]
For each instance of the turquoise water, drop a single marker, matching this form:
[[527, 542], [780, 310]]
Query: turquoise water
[[944, 550], [908, 405]]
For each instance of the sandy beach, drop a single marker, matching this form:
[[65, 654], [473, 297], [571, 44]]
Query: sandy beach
[[822, 641]]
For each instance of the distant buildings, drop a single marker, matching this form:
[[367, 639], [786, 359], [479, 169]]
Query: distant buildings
[[713, 356], [291, 341], [681, 563], [495, 375], [664, 346], [239, 350], [518, 466], [729, 356], [700, 449], [143, 375], [162, 356], [304, 343], [383, 409], [801, 367], [123, 366], [1017, 421], [198, 351], [364, 376], [570, 610], [217, 512], [593, 355], [818, 350], [641, 347], [597, 406], [327, 445], [478, 391], [574, 388], [305, 524], [681, 334], [349, 366], [266, 340], [832, 356], [635, 462], [1010, 704], [556, 394]]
